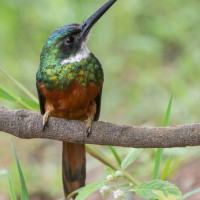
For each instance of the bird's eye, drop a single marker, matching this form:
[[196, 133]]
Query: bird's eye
[[69, 40]]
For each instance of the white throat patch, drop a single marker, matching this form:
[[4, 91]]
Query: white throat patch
[[83, 53]]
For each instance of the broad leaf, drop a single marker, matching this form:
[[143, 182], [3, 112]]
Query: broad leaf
[[131, 157], [84, 192], [158, 189]]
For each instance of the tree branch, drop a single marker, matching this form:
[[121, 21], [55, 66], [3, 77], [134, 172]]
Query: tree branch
[[25, 124]]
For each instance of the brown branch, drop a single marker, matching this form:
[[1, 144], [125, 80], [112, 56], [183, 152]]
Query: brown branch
[[25, 124]]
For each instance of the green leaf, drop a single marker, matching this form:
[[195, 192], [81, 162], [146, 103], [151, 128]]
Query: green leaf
[[84, 192], [158, 189], [12, 96], [160, 151], [166, 168], [24, 192], [109, 170], [131, 157], [117, 157], [30, 103], [185, 196], [168, 112], [159, 155], [5, 95], [19, 85], [12, 192]]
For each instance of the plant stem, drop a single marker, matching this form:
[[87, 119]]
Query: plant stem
[[102, 158], [117, 157]]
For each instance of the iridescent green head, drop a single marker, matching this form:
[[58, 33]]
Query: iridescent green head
[[65, 56], [71, 39]]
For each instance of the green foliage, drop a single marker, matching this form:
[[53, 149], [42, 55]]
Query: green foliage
[[19, 85], [189, 194], [130, 158], [24, 192], [109, 170], [10, 95], [166, 169], [168, 111], [159, 155], [116, 155], [12, 192], [158, 189], [160, 150], [84, 192]]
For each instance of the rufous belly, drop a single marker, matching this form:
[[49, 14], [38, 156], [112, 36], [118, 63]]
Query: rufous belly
[[75, 102]]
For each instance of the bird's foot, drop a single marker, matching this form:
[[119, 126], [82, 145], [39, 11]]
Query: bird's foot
[[89, 121], [45, 119]]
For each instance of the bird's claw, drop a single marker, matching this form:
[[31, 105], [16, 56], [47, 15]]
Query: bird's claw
[[44, 126], [88, 131], [45, 120], [89, 126]]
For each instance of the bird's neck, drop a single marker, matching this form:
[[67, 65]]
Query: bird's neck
[[83, 53]]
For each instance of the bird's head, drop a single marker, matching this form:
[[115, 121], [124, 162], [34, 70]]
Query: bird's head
[[70, 41]]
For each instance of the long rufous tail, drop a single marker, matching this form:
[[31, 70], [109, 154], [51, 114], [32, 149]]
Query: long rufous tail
[[73, 167]]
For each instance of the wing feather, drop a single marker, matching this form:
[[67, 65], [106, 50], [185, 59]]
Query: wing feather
[[41, 100], [98, 105]]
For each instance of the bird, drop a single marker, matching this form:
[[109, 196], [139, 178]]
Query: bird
[[69, 83]]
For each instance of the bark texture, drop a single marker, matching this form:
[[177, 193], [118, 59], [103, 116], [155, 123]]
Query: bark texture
[[28, 125]]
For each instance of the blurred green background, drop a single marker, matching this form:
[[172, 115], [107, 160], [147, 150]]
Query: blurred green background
[[145, 47]]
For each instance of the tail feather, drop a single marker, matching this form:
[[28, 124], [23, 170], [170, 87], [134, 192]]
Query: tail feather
[[73, 167]]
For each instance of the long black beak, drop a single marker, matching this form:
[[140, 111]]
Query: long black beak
[[87, 25]]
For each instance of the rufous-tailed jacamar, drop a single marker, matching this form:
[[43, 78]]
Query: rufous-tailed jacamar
[[69, 83]]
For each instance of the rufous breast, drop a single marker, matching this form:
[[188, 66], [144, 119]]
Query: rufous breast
[[71, 103]]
